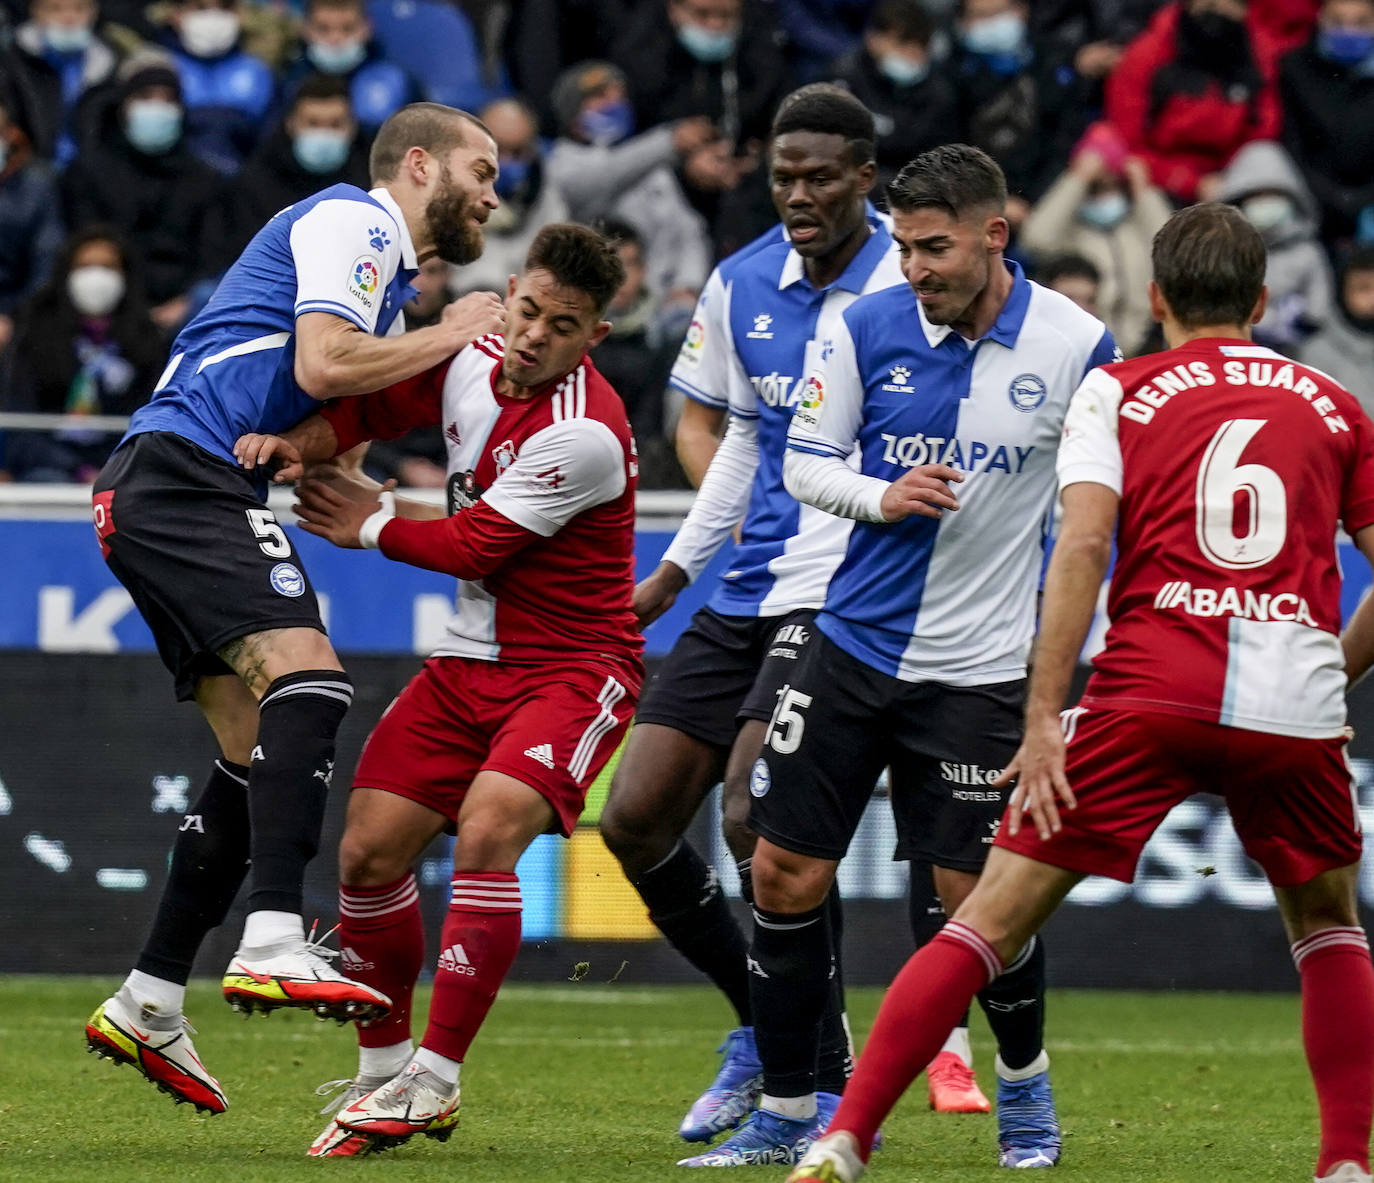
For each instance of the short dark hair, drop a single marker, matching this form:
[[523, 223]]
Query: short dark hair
[[956, 178], [1209, 265], [360, 5], [907, 20], [1067, 266], [828, 109], [320, 88], [580, 258], [1361, 258], [431, 126]]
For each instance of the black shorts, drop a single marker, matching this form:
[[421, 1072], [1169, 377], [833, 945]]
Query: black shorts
[[839, 722], [723, 669], [204, 560]]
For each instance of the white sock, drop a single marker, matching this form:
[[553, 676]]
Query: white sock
[[797, 1108], [1040, 1064], [958, 1043], [442, 1067], [163, 998], [384, 1061], [272, 928]]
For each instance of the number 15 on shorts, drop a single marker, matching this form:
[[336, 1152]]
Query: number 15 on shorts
[[786, 726]]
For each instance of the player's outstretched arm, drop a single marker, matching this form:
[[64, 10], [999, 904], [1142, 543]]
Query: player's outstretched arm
[[311, 441], [1077, 568], [337, 359], [1358, 638]]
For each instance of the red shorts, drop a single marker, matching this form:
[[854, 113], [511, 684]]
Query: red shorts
[[552, 728], [1292, 801]]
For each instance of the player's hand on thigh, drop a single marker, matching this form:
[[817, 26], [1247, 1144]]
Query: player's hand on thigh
[[1041, 783], [328, 513], [923, 491], [255, 450]]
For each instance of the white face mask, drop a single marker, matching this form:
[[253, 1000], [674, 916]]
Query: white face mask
[[209, 32], [94, 290], [1270, 212]]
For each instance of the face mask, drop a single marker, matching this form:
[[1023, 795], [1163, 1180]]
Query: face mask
[[1345, 47], [152, 125], [1105, 212], [320, 149], [1267, 213], [336, 59], [67, 38], [605, 126], [902, 71], [209, 32], [1003, 34], [513, 174], [95, 291], [705, 45]]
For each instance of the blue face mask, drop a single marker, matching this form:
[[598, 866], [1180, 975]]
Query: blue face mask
[[902, 71], [706, 46], [320, 150], [1345, 47], [1105, 212], [996, 35], [513, 174], [336, 59], [605, 126], [152, 125], [68, 38]]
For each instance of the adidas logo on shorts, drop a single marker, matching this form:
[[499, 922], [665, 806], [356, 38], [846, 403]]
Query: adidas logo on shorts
[[455, 960], [543, 752]]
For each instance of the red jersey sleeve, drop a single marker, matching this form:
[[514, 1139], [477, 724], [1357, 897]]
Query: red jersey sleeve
[[1357, 498], [390, 412], [469, 545]]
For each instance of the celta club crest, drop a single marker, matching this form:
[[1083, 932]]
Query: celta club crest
[[504, 456]]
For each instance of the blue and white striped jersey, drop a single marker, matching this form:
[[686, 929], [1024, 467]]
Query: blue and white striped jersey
[[342, 251], [949, 600], [747, 352]]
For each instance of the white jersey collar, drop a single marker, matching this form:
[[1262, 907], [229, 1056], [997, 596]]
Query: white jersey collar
[[383, 197]]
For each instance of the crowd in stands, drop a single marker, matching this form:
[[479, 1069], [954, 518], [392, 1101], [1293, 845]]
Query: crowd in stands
[[143, 144]]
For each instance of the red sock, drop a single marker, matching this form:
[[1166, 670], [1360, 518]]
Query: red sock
[[383, 941], [481, 938], [923, 1004], [1338, 1033]]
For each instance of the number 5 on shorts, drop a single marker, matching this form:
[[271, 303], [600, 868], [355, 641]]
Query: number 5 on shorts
[[786, 726], [271, 539]]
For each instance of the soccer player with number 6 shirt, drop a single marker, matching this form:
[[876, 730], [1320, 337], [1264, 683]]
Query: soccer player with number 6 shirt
[[1224, 471]]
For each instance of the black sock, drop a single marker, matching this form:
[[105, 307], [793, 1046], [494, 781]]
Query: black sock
[[835, 1062], [791, 962], [209, 861], [746, 880], [924, 910], [293, 764], [686, 903], [1015, 1006]]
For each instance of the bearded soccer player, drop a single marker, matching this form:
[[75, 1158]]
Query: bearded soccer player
[[1224, 471], [530, 692], [310, 311]]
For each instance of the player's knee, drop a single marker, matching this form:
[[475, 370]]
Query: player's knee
[[488, 841], [788, 882], [633, 833], [365, 861]]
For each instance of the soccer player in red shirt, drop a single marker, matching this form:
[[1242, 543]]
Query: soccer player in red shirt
[[1224, 471], [532, 688]]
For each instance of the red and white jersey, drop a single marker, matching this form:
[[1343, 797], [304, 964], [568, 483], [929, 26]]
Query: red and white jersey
[[542, 493], [1235, 468]]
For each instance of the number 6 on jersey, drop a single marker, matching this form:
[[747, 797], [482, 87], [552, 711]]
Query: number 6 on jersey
[[1220, 480]]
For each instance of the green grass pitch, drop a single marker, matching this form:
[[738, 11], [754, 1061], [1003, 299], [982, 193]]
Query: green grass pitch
[[587, 1081]]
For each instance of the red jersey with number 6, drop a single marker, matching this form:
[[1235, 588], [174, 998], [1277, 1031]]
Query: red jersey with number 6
[[1235, 468]]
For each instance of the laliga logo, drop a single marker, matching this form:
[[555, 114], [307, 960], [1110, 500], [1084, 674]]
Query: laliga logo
[[365, 275], [1027, 392]]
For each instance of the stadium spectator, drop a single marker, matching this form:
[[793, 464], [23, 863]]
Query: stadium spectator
[[1327, 88], [1012, 105], [1104, 208], [84, 345], [138, 175], [336, 39], [30, 222], [1088, 35], [439, 47], [530, 200], [1345, 346], [228, 92], [545, 37], [819, 31], [1191, 90], [1289, 23], [316, 145], [1264, 182], [1074, 276], [603, 171], [893, 73], [56, 61]]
